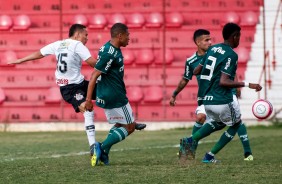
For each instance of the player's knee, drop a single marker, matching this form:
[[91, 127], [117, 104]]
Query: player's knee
[[201, 118]]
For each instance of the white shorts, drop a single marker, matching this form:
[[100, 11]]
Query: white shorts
[[228, 114], [201, 110], [121, 115]]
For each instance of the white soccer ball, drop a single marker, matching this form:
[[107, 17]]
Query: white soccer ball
[[262, 109]]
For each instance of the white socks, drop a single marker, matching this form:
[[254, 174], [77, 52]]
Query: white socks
[[89, 126]]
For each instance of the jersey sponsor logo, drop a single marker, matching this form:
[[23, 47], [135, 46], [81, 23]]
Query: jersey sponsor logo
[[207, 97], [116, 54], [187, 71], [218, 49], [102, 49], [111, 50], [116, 118], [108, 64], [227, 64], [99, 100], [78, 96], [64, 45], [62, 81], [121, 68]]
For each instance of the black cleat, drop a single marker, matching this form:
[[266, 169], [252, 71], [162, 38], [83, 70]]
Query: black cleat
[[139, 126]]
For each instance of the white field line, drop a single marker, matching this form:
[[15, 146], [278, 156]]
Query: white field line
[[85, 153]]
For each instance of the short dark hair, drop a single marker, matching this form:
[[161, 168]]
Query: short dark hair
[[74, 28], [200, 32], [118, 28], [229, 29]]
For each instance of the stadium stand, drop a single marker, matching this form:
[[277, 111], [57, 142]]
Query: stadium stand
[[150, 75]]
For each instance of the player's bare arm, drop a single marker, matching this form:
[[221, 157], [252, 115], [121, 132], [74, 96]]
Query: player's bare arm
[[91, 61], [198, 70], [33, 56], [91, 86], [182, 83], [227, 82]]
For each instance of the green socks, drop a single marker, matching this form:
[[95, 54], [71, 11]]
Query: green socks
[[225, 138], [115, 135], [242, 133]]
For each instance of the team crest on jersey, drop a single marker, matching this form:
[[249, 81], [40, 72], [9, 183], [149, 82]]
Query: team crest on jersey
[[227, 64], [78, 96]]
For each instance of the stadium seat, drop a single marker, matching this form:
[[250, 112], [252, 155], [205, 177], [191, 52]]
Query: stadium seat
[[145, 57], [134, 94], [154, 20], [135, 20], [21, 22], [116, 18], [81, 19], [6, 22], [7, 56], [153, 94], [97, 21], [128, 56], [230, 17], [174, 19], [249, 18], [169, 57], [2, 96], [243, 54], [53, 95], [150, 112]]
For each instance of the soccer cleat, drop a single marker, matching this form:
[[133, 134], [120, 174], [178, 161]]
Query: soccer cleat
[[249, 158], [209, 159], [95, 152], [182, 152], [189, 146], [139, 126]]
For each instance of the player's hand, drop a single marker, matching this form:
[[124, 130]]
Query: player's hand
[[257, 87], [172, 101], [88, 106], [14, 62], [238, 92]]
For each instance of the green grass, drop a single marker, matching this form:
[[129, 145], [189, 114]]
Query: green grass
[[144, 157]]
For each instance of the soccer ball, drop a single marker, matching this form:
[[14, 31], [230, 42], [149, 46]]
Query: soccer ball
[[262, 109]]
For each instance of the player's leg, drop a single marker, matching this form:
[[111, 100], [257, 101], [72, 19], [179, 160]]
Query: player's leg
[[124, 125], [75, 94], [231, 116], [243, 135], [200, 118]]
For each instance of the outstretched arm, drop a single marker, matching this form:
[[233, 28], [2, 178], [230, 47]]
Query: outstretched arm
[[182, 83], [91, 87], [33, 56], [227, 82]]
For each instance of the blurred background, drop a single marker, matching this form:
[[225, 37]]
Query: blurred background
[[160, 41]]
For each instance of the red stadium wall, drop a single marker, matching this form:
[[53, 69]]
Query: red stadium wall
[[161, 40]]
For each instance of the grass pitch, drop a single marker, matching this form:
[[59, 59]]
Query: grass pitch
[[144, 157]]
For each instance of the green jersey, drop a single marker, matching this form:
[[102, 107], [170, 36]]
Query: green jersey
[[219, 59], [190, 65], [111, 92]]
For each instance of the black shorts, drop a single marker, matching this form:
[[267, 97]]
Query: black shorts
[[75, 94]]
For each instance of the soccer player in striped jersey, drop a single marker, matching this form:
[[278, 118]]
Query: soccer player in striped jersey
[[203, 41], [111, 91]]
